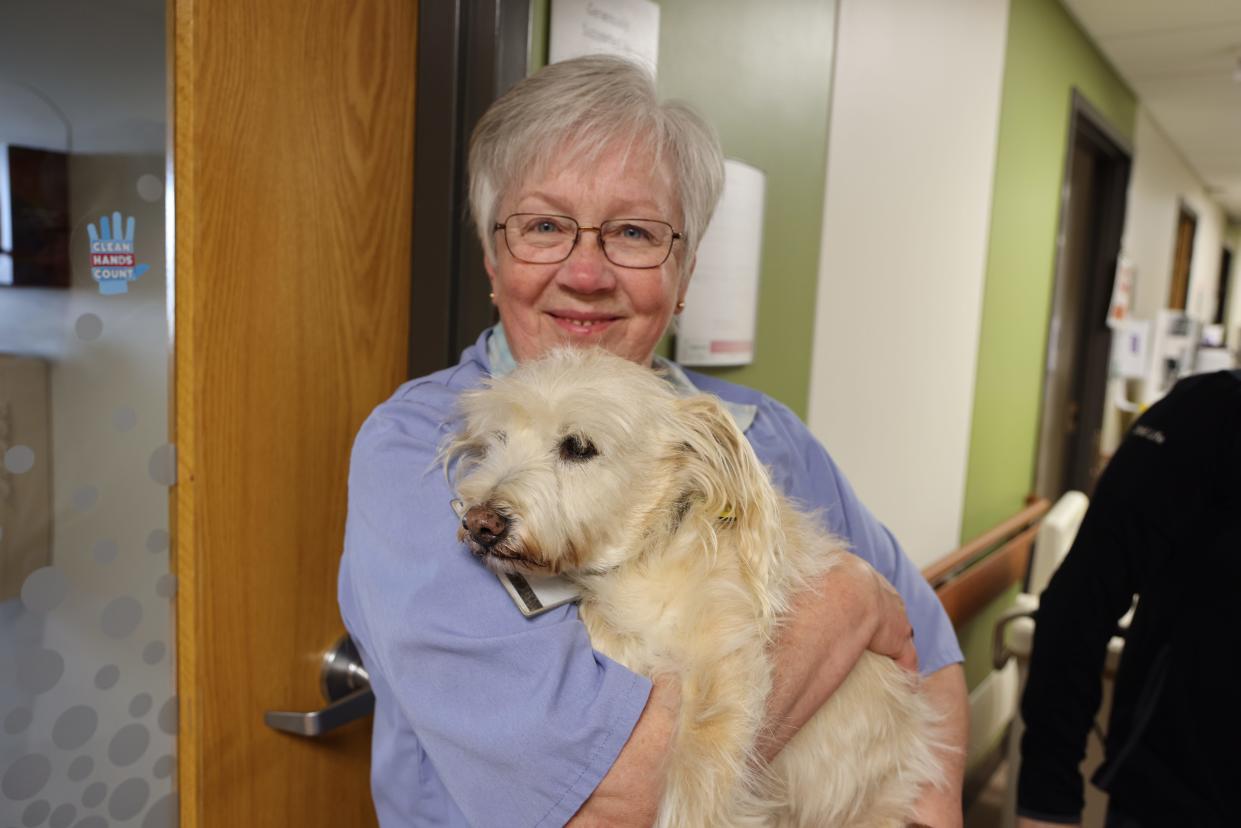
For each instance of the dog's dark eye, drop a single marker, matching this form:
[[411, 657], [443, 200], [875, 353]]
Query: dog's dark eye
[[576, 449]]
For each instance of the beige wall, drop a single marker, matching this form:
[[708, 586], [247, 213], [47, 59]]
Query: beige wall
[[911, 154]]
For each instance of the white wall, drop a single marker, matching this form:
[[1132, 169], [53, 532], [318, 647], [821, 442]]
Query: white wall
[[1159, 182], [911, 156]]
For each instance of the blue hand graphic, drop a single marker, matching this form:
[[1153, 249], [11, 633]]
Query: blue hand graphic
[[112, 255]]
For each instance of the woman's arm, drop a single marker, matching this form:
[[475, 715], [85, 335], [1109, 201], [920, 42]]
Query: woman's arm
[[946, 688]]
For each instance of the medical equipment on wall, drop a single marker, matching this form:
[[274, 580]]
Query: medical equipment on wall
[[1155, 353]]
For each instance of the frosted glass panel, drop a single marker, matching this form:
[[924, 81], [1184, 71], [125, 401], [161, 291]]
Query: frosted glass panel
[[87, 701]]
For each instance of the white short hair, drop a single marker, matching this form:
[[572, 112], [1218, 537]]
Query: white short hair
[[583, 107]]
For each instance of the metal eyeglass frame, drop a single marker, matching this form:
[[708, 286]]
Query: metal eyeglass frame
[[578, 237]]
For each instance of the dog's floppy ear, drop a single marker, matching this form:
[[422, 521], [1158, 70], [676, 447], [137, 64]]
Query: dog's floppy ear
[[462, 449], [723, 471]]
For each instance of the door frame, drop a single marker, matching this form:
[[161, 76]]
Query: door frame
[[469, 53], [1114, 154]]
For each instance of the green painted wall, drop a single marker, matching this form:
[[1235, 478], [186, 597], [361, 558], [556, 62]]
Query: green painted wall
[[761, 73], [1047, 57], [540, 22]]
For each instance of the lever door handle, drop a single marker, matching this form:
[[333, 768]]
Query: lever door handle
[[344, 683], [356, 705]]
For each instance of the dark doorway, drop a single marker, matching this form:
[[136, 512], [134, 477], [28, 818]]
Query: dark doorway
[[1222, 294], [1079, 341], [469, 53]]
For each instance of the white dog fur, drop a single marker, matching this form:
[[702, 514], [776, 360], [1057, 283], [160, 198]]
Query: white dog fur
[[687, 558]]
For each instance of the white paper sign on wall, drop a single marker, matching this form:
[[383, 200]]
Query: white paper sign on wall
[[718, 323], [614, 27]]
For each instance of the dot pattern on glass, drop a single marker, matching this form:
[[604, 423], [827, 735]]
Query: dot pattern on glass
[[128, 745], [80, 768], [105, 551], [140, 705], [128, 799], [163, 465], [89, 327], [63, 816], [17, 720], [164, 766], [163, 813], [35, 813], [44, 589], [150, 188], [75, 727], [39, 670], [120, 617], [153, 653], [91, 822], [157, 541], [107, 677], [95, 793], [19, 459], [124, 419], [166, 586], [168, 716], [25, 777]]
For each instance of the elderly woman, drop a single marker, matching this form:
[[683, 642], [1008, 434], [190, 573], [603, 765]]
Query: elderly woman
[[590, 198]]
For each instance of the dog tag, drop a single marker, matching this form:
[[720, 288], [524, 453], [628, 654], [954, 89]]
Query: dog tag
[[535, 596]]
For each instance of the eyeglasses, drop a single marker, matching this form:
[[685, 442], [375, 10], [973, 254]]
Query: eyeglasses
[[538, 238]]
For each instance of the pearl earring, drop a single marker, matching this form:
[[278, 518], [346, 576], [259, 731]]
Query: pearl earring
[[680, 306]]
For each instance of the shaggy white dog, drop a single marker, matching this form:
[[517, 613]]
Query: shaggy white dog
[[586, 465]]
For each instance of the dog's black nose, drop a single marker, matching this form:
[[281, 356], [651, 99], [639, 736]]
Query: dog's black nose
[[485, 525]]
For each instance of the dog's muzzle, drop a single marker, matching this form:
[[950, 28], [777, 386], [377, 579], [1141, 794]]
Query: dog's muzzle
[[485, 525]]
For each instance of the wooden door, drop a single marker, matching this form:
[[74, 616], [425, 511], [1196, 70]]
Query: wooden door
[[293, 168], [1186, 228]]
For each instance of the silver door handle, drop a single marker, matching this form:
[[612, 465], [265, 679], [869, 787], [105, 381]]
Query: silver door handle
[[344, 683]]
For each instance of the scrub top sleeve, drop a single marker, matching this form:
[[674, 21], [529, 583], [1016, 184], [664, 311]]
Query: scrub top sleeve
[[520, 717]]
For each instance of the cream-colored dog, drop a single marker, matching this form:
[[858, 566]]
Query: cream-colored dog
[[589, 466]]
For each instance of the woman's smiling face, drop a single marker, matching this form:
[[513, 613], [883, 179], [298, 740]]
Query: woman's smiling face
[[587, 300]]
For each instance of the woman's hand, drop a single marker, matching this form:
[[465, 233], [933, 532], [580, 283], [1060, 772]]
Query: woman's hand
[[894, 635], [849, 610]]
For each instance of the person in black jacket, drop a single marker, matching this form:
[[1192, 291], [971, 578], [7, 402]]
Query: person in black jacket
[[1164, 524]]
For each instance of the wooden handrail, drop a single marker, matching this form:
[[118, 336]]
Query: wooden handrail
[[977, 548]]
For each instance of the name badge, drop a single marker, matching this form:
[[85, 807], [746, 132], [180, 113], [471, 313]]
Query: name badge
[[534, 595]]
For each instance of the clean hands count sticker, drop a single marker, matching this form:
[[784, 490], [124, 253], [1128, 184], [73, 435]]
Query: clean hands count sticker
[[112, 262]]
